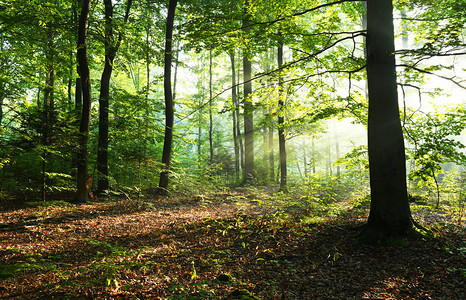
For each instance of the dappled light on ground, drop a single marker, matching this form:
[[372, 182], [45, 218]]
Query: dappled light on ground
[[181, 248]]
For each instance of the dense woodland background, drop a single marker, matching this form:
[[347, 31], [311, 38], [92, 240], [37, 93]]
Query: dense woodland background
[[321, 97], [269, 105]]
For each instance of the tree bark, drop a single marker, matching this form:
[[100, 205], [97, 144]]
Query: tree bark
[[102, 148], [248, 172], [111, 49], [281, 123], [82, 176], [1, 104], [238, 127], [314, 156], [271, 153], [78, 96], [389, 212], [47, 114], [235, 108], [337, 149], [211, 145], [169, 113]]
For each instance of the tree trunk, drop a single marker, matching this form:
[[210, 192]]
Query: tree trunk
[[78, 96], [235, 108], [329, 160], [110, 52], [248, 172], [281, 124], [306, 171], [1, 104], [169, 113], [102, 149], [211, 145], [238, 127], [47, 116], [337, 149], [199, 132], [271, 154], [314, 156], [82, 180], [389, 212], [104, 97]]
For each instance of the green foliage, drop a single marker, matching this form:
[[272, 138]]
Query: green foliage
[[434, 140], [322, 72]]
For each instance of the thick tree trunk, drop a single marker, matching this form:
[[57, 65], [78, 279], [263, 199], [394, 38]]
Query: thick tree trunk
[[169, 113], [281, 123], [389, 212], [82, 180], [248, 172], [111, 49], [102, 148]]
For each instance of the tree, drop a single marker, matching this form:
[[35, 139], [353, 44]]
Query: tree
[[211, 123], [434, 137], [389, 211], [111, 49], [169, 113], [234, 100], [248, 172], [82, 176], [281, 124]]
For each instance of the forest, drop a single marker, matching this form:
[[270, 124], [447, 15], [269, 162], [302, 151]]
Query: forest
[[232, 149]]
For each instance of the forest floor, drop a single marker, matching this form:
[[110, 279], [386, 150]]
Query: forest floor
[[206, 246]]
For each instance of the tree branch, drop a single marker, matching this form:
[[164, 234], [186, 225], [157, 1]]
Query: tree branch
[[451, 79], [308, 56]]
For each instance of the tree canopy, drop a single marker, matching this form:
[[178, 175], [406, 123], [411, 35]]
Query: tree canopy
[[294, 95]]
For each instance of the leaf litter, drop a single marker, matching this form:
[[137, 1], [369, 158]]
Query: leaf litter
[[205, 247]]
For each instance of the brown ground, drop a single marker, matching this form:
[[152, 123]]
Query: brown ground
[[176, 248]]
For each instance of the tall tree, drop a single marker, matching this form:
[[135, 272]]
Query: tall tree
[[111, 48], [82, 176], [47, 105], [211, 125], [248, 172], [389, 212], [235, 108], [78, 97], [169, 113], [281, 124]]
